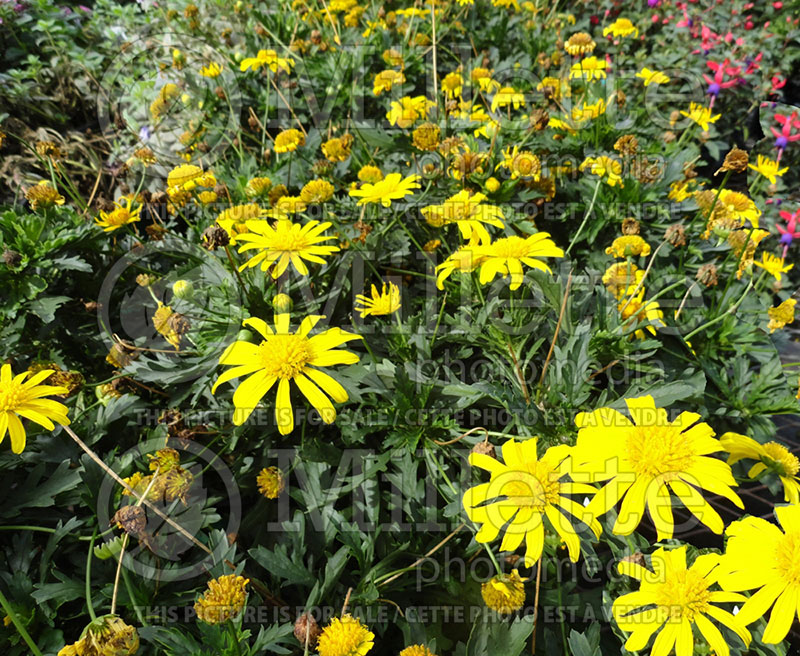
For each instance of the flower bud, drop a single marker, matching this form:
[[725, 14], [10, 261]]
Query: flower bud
[[183, 289]]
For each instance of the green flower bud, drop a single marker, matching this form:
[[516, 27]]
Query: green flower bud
[[183, 289], [282, 303]]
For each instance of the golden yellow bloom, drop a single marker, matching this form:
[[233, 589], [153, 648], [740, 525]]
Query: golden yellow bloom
[[121, 215], [108, 635], [258, 186], [588, 111], [426, 136], [369, 173], [492, 184], [431, 245], [605, 167], [772, 457], [385, 80], [268, 58], [671, 599], [627, 246], [635, 311], [621, 276], [42, 196], [270, 482], [161, 104], [483, 76], [781, 315], [385, 302], [316, 191], [207, 197], [464, 260], [507, 97], [745, 240], [554, 88], [345, 636], [760, 555], [187, 177], [769, 168], [417, 650], [504, 593], [701, 115], [644, 459], [223, 600], [289, 141], [589, 68], [452, 84], [234, 219], [774, 265], [521, 163], [507, 255], [164, 326], [211, 70], [524, 492], [25, 398], [285, 243], [338, 148], [393, 187], [580, 43], [468, 212], [652, 77], [621, 27], [407, 110]]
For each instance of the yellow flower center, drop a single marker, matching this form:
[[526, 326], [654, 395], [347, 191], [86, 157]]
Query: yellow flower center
[[284, 356], [10, 397], [787, 557], [510, 247], [656, 450], [684, 594], [289, 240], [787, 463], [537, 488], [119, 216]]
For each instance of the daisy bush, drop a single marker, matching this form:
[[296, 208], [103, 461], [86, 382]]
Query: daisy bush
[[447, 327]]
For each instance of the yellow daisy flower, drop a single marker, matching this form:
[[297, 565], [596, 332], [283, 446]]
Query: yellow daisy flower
[[338, 149], [760, 556], [605, 167], [393, 187], [652, 77], [211, 70], [42, 196], [771, 456], [268, 58], [404, 112], [628, 246], [507, 255], [468, 212], [621, 276], [504, 593], [464, 260], [316, 191], [385, 302], [672, 599], [701, 115], [644, 459], [369, 173], [635, 311], [523, 492], [781, 315], [590, 68], [25, 398], [588, 111], [345, 637], [580, 43], [421, 650], [285, 243], [452, 84], [289, 140], [774, 265], [385, 80], [270, 482], [507, 97], [521, 164], [234, 219], [121, 215], [769, 168], [621, 27], [285, 357]]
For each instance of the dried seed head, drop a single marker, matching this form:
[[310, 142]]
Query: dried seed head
[[676, 235], [484, 448], [735, 161], [630, 226], [306, 625]]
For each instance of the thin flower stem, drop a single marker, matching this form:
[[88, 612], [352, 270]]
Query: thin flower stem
[[555, 336], [585, 216], [392, 576], [536, 603], [234, 637], [722, 316], [88, 577], [23, 632]]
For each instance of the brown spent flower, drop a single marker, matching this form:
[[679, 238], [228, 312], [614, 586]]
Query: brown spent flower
[[131, 519], [306, 627], [179, 323], [214, 237], [484, 448], [539, 119], [11, 258], [276, 193], [627, 145], [630, 226], [676, 235], [735, 161], [707, 275]]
